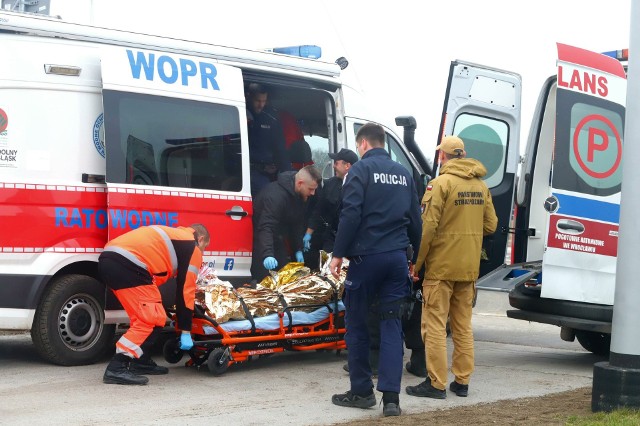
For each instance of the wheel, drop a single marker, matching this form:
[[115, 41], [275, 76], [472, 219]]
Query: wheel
[[218, 361], [597, 343], [171, 351], [68, 327]]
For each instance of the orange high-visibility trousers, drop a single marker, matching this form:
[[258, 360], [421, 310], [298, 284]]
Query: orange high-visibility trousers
[[143, 304]]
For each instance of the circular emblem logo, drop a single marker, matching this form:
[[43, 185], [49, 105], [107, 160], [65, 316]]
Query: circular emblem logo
[[4, 120], [98, 134], [551, 204]]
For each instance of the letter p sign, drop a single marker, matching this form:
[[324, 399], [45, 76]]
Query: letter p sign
[[598, 141]]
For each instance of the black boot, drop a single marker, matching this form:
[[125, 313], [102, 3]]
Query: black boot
[[417, 365], [145, 365], [118, 373], [390, 404]]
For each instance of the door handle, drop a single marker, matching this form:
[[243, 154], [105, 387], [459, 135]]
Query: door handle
[[236, 213], [569, 226]]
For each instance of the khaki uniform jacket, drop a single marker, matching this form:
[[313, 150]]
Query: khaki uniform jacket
[[457, 211]]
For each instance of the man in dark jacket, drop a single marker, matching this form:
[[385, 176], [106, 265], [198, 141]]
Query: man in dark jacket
[[323, 223], [278, 220], [267, 152], [379, 220]]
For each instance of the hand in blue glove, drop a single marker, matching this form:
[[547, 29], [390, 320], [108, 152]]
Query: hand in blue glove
[[186, 342], [299, 257], [270, 263], [307, 241]]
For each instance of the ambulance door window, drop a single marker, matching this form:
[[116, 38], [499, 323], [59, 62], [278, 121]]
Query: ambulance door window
[[486, 140], [172, 142]]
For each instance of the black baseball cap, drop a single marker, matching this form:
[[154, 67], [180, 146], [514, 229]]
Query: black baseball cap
[[345, 155]]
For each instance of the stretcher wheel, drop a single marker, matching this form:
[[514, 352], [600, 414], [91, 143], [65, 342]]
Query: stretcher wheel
[[171, 351], [218, 362]]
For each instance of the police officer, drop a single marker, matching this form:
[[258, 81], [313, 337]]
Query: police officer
[[457, 212], [267, 154], [380, 219], [323, 222]]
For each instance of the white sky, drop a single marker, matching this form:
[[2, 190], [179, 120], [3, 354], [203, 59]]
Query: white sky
[[399, 51]]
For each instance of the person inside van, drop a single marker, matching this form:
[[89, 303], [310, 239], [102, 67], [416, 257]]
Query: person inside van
[[267, 153]]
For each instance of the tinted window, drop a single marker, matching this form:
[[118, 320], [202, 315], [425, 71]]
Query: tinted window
[[485, 139], [154, 140], [392, 146]]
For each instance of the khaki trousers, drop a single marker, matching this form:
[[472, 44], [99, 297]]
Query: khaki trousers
[[453, 300]]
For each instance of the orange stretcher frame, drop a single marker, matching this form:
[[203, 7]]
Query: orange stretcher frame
[[224, 349]]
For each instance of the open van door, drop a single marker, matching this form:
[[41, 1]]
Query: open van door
[[482, 106], [579, 262], [177, 151]]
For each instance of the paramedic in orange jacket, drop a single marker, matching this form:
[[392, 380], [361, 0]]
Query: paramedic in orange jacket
[[133, 265], [457, 213]]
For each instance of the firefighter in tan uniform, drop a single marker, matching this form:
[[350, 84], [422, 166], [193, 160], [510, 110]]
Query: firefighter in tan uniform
[[457, 212], [133, 265]]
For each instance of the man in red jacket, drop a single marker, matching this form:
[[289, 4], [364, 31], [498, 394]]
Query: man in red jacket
[[133, 265]]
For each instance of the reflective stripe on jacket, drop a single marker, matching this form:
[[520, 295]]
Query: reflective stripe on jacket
[[165, 253]]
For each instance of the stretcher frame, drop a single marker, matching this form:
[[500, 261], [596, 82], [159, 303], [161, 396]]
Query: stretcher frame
[[234, 347]]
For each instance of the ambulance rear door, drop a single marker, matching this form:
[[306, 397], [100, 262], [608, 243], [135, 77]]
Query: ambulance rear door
[[482, 106], [579, 260], [177, 151]]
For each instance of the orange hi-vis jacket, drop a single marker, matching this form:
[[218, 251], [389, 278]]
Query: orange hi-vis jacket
[[164, 252]]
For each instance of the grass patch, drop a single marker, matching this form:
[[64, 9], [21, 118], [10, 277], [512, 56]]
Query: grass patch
[[622, 417]]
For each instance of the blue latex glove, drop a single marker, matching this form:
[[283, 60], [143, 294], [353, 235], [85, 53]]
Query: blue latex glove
[[186, 342], [299, 257], [307, 241], [270, 263]]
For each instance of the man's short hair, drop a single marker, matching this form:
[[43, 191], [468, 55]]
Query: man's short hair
[[311, 172], [256, 89], [200, 231], [372, 132]]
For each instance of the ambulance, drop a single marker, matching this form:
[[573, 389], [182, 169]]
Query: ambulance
[[103, 131], [567, 207]]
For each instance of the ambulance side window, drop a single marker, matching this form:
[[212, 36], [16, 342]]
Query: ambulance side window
[[396, 153], [163, 141], [486, 140]]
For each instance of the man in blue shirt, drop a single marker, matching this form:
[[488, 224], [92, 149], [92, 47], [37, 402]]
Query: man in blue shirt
[[380, 219]]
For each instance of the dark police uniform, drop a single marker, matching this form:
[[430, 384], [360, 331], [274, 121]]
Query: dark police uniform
[[380, 218], [267, 152]]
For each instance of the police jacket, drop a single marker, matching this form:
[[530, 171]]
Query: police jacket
[[380, 208], [278, 214], [457, 212], [266, 141], [325, 215], [163, 253]]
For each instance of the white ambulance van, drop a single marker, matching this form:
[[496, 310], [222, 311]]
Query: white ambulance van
[[568, 202], [103, 131]]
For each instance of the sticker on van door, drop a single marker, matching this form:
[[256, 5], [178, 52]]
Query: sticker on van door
[[98, 134], [4, 124]]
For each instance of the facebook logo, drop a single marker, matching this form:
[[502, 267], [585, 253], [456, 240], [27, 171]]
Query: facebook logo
[[228, 264]]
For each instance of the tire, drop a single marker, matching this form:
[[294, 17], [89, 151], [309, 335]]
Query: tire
[[218, 362], [68, 327], [594, 342], [171, 351]]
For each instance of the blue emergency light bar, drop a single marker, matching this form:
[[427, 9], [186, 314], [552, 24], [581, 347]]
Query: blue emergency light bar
[[304, 51], [621, 55]]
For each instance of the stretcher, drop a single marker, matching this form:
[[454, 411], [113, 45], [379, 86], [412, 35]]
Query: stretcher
[[221, 345]]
